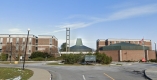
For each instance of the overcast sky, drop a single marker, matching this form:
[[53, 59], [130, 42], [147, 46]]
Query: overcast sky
[[87, 19]]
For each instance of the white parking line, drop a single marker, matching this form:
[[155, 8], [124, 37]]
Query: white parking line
[[84, 77]]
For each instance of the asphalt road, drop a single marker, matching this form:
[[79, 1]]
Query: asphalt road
[[114, 72]]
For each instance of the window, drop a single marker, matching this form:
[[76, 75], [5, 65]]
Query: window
[[17, 40], [50, 41], [36, 48], [110, 42], [1, 40], [0, 46], [17, 47], [11, 39], [24, 39], [7, 40], [29, 47], [36, 41], [30, 40]]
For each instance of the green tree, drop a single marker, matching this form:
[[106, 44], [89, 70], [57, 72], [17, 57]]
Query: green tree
[[63, 47]]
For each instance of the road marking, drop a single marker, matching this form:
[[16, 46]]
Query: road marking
[[84, 77], [109, 76]]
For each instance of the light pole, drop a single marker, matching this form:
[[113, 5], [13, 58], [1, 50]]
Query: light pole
[[155, 49], [25, 49], [10, 52]]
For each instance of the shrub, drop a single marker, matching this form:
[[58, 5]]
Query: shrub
[[153, 60], [38, 59], [39, 54], [76, 58], [103, 58], [72, 58], [4, 57]]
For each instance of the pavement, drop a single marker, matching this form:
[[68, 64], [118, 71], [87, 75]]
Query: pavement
[[151, 73], [40, 74]]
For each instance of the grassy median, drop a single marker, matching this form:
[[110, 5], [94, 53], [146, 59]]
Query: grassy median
[[11, 73]]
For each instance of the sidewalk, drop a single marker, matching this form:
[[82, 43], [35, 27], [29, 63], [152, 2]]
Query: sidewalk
[[40, 74], [151, 73]]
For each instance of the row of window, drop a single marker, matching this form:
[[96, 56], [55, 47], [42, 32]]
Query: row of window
[[24, 39], [17, 40], [125, 41]]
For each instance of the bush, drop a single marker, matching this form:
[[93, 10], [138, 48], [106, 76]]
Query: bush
[[72, 58], [76, 58], [39, 54], [153, 60], [103, 58], [4, 57], [38, 59]]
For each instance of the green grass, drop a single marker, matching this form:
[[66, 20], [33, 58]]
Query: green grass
[[12, 62], [8, 73]]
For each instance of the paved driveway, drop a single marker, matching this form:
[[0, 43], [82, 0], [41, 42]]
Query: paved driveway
[[114, 72]]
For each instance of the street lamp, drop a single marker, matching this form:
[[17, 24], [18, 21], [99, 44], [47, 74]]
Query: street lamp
[[10, 52], [25, 49], [155, 49]]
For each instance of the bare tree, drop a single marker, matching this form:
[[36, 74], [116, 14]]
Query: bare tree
[[14, 50], [51, 51]]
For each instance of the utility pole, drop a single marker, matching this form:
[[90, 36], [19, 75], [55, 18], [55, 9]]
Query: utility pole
[[11, 52], [25, 49], [155, 50]]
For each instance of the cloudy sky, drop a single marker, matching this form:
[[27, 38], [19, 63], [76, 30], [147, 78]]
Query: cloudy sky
[[87, 19]]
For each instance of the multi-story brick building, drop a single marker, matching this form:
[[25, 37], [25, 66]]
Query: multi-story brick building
[[126, 49], [35, 43], [48, 43], [102, 42]]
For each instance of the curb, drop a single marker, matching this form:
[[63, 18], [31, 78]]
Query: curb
[[51, 76], [146, 75]]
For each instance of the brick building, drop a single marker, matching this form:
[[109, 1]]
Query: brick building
[[18, 42], [126, 49], [47, 43], [107, 42]]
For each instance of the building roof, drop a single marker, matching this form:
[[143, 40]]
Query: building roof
[[79, 47], [17, 35], [47, 36], [124, 46], [114, 39]]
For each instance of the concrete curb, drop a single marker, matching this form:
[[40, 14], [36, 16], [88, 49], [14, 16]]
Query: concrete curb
[[146, 75]]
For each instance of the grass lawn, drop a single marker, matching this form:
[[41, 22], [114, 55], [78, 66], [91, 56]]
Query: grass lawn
[[8, 73], [12, 62]]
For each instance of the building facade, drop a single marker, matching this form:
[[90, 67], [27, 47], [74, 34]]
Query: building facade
[[126, 49], [47, 43], [16, 43], [102, 42]]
